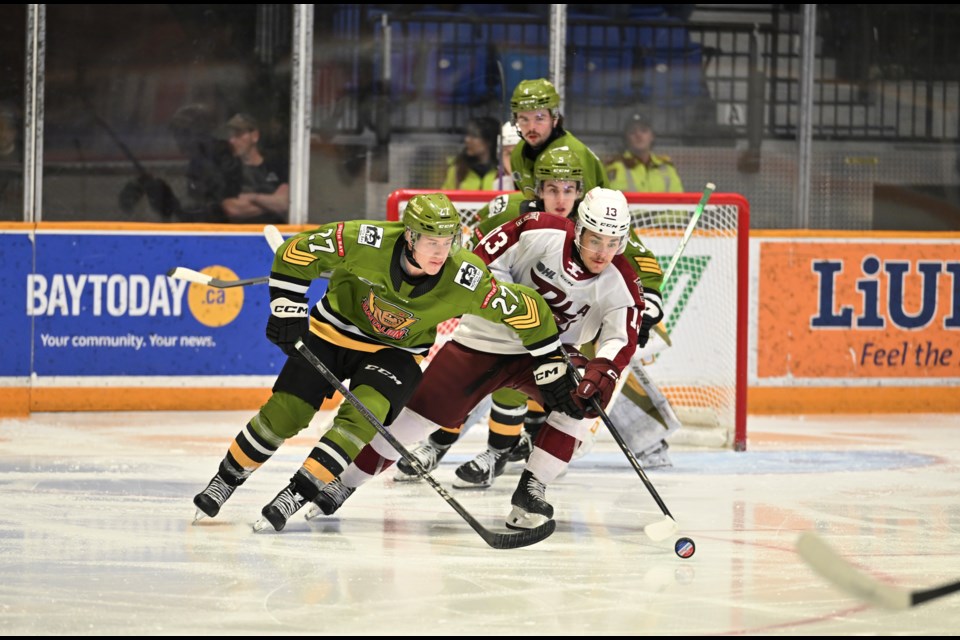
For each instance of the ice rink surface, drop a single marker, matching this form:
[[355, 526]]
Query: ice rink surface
[[97, 537]]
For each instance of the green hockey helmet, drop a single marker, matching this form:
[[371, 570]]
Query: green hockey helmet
[[558, 163], [432, 214], [531, 95]]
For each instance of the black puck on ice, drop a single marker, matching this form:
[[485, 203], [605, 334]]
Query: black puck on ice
[[684, 547]]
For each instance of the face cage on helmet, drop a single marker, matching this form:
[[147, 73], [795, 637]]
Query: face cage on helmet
[[580, 228], [415, 236]]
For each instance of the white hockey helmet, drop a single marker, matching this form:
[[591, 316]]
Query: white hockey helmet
[[605, 211], [509, 137]]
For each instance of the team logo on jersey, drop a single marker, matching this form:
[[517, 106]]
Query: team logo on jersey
[[499, 204], [370, 235], [469, 276], [387, 318], [573, 269]]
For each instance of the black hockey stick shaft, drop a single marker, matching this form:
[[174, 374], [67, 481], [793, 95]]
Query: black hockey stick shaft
[[623, 445], [492, 538], [925, 595]]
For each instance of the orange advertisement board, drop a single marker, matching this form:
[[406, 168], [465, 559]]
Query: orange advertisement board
[[858, 311]]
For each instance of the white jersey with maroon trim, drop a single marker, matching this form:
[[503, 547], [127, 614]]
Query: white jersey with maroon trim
[[538, 250]]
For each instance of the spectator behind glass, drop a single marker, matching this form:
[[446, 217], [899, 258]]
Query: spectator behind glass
[[213, 173], [265, 195], [637, 169], [475, 167]]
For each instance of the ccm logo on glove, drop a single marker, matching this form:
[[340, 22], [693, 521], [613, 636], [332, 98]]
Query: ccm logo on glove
[[284, 308]]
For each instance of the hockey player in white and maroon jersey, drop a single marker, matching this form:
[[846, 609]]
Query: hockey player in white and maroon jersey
[[594, 293]]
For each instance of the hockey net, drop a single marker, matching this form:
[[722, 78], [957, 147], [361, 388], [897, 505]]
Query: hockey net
[[703, 371]]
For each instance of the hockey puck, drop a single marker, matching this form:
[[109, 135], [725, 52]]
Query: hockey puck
[[684, 547]]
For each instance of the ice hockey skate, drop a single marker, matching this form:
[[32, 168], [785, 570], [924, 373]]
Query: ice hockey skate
[[330, 498], [427, 454], [480, 472], [209, 501], [655, 457], [530, 506], [279, 510]]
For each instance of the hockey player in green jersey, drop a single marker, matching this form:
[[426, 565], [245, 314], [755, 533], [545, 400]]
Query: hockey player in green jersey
[[392, 283], [536, 112]]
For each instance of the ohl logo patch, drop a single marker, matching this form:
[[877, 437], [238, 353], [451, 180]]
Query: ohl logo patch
[[215, 307]]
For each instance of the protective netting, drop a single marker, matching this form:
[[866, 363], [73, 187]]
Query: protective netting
[[702, 372]]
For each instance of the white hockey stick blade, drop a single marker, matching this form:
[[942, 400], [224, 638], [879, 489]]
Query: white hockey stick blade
[[658, 531], [835, 569], [182, 273], [273, 236]]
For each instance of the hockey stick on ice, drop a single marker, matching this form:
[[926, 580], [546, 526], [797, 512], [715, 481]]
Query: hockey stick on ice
[[655, 530], [492, 538], [833, 567]]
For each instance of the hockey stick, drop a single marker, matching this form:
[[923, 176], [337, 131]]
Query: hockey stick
[[688, 232], [492, 538], [655, 530], [273, 236], [635, 366], [182, 273], [274, 239], [830, 565]]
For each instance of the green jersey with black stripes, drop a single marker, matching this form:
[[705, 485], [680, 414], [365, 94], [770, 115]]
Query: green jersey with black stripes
[[371, 299]]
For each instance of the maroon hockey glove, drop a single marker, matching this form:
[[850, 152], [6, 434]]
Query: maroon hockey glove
[[599, 381]]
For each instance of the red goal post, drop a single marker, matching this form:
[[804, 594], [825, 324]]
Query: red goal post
[[704, 371]]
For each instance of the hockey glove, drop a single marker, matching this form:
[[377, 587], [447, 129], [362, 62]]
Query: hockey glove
[[652, 315], [554, 378], [599, 381], [646, 323], [289, 319]]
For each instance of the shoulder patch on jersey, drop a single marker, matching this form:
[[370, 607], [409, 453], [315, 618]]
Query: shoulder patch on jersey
[[499, 204], [469, 276], [370, 235], [533, 215]]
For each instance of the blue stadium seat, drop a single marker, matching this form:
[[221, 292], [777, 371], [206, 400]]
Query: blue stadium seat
[[453, 64], [600, 66], [438, 55], [522, 42]]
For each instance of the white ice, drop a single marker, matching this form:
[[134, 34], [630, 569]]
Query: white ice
[[96, 537]]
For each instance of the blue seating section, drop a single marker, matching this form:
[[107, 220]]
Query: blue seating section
[[452, 57]]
